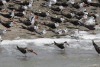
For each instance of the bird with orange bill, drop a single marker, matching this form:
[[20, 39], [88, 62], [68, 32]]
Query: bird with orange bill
[[25, 50], [61, 45]]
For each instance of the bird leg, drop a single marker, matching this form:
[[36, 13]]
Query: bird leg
[[64, 50], [98, 54], [77, 27], [25, 55], [93, 32]]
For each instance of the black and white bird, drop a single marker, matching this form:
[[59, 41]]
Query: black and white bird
[[25, 50], [41, 32], [2, 2], [8, 24], [52, 25], [96, 47], [21, 14], [61, 45], [9, 15], [31, 28], [56, 19]]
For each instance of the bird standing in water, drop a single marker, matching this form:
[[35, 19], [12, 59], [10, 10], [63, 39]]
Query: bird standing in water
[[25, 50], [96, 47], [61, 45]]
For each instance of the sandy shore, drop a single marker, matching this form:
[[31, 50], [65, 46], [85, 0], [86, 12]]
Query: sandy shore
[[17, 31]]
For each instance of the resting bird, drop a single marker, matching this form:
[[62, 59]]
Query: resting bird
[[30, 28], [96, 47], [25, 50], [61, 45], [8, 24]]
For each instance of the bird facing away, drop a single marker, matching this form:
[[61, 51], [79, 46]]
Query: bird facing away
[[61, 45], [25, 50], [96, 47]]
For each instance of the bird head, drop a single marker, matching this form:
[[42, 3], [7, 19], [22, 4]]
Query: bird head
[[84, 4], [31, 14], [66, 43], [14, 10]]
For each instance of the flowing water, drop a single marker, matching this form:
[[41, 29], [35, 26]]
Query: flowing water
[[78, 54]]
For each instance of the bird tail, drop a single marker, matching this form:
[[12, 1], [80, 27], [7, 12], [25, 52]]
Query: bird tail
[[55, 43], [17, 47], [94, 43]]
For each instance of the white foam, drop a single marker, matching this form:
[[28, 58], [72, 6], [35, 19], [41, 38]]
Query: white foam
[[84, 43]]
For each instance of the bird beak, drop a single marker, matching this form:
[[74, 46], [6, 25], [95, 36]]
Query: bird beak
[[14, 11], [48, 12], [14, 22], [26, 11], [35, 17], [2, 10], [35, 53], [83, 19], [84, 4], [67, 44], [99, 25]]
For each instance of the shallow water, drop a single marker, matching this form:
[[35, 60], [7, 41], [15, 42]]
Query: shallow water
[[49, 56]]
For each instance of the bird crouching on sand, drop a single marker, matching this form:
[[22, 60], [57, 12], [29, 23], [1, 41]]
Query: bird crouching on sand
[[52, 25], [41, 32], [26, 50], [8, 24]]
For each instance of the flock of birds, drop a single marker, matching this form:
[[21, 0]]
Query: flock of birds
[[78, 18]]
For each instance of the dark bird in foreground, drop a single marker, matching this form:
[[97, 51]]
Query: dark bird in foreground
[[61, 45], [96, 47], [25, 50]]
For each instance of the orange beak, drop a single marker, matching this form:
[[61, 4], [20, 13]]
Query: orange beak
[[31, 1], [84, 4], [35, 53], [35, 17], [14, 22], [83, 19], [67, 44], [99, 25], [14, 11], [48, 12], [31, 14]]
